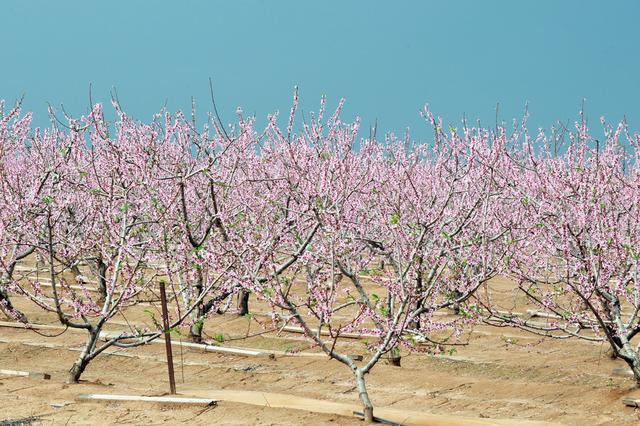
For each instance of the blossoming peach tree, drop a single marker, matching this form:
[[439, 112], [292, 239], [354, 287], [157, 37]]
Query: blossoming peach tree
[[427, 212], [86, 198], [578, 235]]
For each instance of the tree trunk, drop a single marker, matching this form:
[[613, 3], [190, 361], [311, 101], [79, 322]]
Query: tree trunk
[[76, 370], [195, 331], [367, 407], [75, 270], [394, 357], [243, 303], [394, 353], [102, 279], [39, 260], [632, 358], [613, 354], [634, 365], [456, 306], [81, 363]]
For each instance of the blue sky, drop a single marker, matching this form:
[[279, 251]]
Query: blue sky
[[386, 58]]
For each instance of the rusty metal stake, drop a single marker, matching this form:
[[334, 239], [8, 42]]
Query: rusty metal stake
[[167, 339]]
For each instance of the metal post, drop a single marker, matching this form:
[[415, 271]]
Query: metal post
[[167, 338]]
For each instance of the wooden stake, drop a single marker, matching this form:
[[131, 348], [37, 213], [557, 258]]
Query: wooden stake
[[167, 339]]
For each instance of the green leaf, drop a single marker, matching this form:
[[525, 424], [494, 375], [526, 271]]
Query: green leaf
[[175, 331], [152, 316]]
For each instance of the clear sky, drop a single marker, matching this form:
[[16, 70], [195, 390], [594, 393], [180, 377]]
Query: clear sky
[[387, 58]]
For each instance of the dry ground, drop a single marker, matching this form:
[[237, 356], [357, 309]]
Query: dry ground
[[502, 373]]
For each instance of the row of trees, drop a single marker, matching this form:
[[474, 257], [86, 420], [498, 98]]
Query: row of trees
[[338, 233]]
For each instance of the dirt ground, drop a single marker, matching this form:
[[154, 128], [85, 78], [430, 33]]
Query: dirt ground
[[503, 373]]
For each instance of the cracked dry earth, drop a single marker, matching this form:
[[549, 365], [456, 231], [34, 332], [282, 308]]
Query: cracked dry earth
[[502, 373]]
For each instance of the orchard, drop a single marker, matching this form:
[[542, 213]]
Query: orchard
[[319, 228]]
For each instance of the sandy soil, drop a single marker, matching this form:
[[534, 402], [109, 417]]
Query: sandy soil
[[502, 373]]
